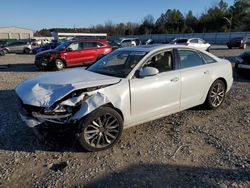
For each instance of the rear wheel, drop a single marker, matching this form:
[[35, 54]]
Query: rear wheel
[[101, 129], [59, 64], [2, 53], [244, 46], [26, 51], [216, 95]]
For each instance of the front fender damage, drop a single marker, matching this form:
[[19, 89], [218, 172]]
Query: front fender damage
[[85, 103], [93, 102]]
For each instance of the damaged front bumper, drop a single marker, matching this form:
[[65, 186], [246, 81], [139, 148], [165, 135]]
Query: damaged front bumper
[[29, 121], [38, 119], [75, 109]]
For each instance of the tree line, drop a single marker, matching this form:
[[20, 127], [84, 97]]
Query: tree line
[[218, 18]]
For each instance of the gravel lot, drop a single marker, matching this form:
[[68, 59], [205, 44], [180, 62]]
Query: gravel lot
[[194, 148]]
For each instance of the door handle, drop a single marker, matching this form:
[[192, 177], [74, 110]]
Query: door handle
[[175, 79], [206, 72]]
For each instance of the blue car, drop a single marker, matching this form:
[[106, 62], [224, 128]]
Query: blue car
[[48, 46]]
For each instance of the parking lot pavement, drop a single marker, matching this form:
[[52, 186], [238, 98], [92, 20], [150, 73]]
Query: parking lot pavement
[[192, 148], [222, 51]]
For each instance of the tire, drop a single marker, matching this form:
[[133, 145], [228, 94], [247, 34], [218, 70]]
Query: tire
[[2, 53], [229, 47], [26, 51], [216, 95], [208, 49], [244, 46], [59, 64], [93, 136]]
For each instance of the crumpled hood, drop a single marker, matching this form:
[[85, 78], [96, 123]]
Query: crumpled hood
[[46, 89], [42, 53]]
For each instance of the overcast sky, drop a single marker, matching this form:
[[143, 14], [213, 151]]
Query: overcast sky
[[38, 14]]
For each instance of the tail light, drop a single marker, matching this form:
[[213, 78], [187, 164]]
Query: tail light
[[107, 50]]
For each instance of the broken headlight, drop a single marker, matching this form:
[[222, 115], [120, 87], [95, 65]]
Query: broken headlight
[[59, 109]]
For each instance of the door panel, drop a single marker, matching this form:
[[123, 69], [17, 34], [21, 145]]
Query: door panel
[[153, 96], [73, 57], [19, 48], [195, 78], [89, 55], [195, 82]]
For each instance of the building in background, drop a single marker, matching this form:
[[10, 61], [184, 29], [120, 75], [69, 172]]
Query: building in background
[[15, 33], [100, 36]]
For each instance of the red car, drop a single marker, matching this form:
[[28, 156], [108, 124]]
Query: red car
[[72, 53]]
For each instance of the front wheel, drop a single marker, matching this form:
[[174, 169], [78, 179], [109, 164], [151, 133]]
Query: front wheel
[[216, 95], [101, 129], [59, 65], [244, 46]]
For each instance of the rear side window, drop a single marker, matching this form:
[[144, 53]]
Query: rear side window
[[189, 59], [201, 41], [194, 41], [126, 41], [237, 39], [91, 45], [207, 58], [13, 44], [98, 44], [180, 41]]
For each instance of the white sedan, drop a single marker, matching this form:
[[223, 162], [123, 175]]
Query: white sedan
[[128, 87], [193, 42]]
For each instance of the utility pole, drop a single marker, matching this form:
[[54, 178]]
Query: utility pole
[[229, 21]]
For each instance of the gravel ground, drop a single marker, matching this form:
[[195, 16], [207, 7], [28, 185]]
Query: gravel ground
[[194, 148]]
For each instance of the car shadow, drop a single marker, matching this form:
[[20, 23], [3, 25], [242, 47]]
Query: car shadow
[[22, 67], [166, 175]]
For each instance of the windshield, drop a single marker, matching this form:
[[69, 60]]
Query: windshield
[[118, 63], [62, 46]]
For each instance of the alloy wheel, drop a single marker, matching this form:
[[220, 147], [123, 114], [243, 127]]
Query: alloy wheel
[[59, 64], [217, 94], [102, 131]]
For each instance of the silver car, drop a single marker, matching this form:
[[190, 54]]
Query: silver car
[[130, 86], [18, 47]]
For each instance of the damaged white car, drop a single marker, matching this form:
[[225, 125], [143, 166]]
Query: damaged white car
[[128, 87]]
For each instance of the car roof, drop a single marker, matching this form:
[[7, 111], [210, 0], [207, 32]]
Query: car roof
[[87, 40], [188, 38]]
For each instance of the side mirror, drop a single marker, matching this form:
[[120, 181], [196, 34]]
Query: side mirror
[[69, 49], [148, 71]]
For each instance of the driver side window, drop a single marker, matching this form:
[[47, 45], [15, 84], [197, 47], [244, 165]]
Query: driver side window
[[162, 61], [74, 46]]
